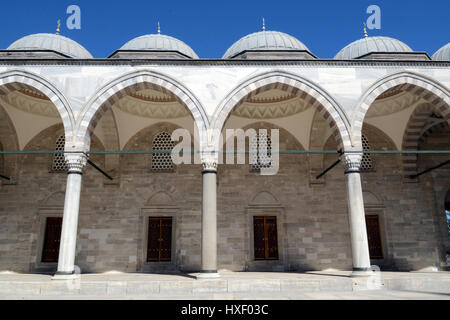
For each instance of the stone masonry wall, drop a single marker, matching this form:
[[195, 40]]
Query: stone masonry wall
[[313, 221]]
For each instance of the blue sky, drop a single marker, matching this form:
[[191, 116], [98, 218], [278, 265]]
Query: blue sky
[[210, 27]]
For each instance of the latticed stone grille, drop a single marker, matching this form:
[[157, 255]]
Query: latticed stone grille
[[366, 162], [59, 163], [162, 161], [260, 158]]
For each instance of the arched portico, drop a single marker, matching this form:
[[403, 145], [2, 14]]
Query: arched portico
[[430, 90], [128, 84], [295, 85], [17, 80]]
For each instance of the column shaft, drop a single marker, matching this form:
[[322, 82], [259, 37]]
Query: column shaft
[[209, 223], [67, 247], [358, 231], [356, 216]]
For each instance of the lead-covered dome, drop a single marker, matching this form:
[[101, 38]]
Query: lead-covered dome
[[52, 42], [368, 45], [159, 42], [443, 54], [265, 41]]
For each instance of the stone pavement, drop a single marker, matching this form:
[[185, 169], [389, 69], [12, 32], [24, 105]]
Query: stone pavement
[[232, 285]]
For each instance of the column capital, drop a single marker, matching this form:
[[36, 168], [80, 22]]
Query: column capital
[[209, 160], [75, 162], [352, 161], [209, 166]]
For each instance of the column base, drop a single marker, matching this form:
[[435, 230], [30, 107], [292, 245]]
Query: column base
[[362, 272], [208, 275], [63, 275]]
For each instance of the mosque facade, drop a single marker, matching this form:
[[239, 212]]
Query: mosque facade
[[84, 185]]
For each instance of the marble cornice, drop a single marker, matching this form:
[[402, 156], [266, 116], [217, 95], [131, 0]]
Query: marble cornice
[[220, 62]]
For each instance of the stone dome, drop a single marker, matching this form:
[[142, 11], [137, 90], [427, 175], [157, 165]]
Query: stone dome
[[443, 54], [54, 42], [369, 45], [159, 42], [265, 41]]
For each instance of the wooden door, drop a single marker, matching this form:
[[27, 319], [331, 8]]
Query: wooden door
[[374, 236], [159, 246], [265, 238], [52, 239]]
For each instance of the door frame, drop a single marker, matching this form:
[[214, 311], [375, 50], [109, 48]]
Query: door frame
[[378, 211], [265, 211], [43, 214], [145, 214]]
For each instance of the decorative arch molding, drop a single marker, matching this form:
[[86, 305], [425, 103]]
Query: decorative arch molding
[[52, 132], [160, 198], [111, 142], [370, 129], [264, 198], [17, 80], [8, 141], [372, 199], [317, 139], [413, 133], [264, 124], [127, 84], [432, 129], [151, 131], [431, 91], [55, 199], [293, 84], [161, 194], [292, 142]]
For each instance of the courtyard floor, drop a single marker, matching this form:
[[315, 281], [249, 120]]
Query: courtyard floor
[[231, 285]]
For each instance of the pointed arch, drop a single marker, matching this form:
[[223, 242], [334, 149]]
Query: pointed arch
[[17, 80], [9, 141], [412, 136], [437, 95], [293, 84], [124, 85]]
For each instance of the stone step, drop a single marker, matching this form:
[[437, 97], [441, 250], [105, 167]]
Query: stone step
[[191, 288]]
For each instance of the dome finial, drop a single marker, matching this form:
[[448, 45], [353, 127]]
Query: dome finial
[[365, 31], [159, 28], [264, 25], [58, 26]]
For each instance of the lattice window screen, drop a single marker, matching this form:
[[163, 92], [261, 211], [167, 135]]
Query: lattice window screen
[[366, 162], [162, 161], [59, 163], [260, 160]]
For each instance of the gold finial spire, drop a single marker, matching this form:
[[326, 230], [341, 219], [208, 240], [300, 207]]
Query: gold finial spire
[[365, 30], [264, 25], [159, 28], [58, 26]]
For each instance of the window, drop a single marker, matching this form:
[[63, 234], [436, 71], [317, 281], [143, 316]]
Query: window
[[159, 246], [366, 162], [260, 158], [162, 161], [447, 209], [265, 238], [374, 236], [59, 162], [52, 238]]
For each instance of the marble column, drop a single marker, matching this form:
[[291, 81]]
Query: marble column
[[356, 215], [67, 247], [209, 222]]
